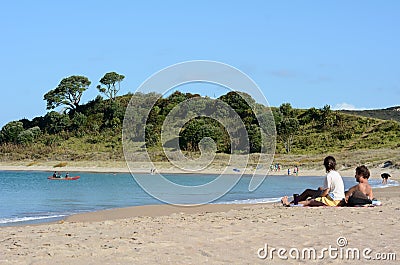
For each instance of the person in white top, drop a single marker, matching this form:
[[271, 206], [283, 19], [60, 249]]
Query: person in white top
[[332, 193]]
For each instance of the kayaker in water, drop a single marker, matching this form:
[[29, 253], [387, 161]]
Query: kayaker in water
[[67, 175]]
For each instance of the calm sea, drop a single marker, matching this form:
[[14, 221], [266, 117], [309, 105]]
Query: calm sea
[[29, 197]]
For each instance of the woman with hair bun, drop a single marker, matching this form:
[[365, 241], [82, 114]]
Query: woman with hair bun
[[331, 194]]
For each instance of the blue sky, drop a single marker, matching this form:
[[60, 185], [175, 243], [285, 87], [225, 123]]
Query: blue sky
[[307, 53]]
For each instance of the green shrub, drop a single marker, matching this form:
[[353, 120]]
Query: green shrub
[[9, 133], [25, 137], [78, 121]]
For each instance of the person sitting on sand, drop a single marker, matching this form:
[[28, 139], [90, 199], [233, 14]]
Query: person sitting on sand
[[331, 194], [362, 190], [308, 194]]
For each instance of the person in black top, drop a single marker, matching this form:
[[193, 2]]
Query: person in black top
[[385, 177]]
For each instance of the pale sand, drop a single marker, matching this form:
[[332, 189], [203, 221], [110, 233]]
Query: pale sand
[[211, 234], [121, 167]]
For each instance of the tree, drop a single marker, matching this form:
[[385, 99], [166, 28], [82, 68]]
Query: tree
[[287, 128], [78, 121], [255, 140], [28, 136], [286, 110], [113, 114], [199, 128], [56, 122], [241, 103], [152, 137], [9, 133], [327, 117], [68, 92], [14, 132], [112, 82], [312, 116]]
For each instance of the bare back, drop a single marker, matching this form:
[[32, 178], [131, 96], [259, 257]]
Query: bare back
[[366, 189]]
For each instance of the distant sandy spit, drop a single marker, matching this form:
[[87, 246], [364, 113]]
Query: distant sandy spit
[[144, 168], [214, 234]]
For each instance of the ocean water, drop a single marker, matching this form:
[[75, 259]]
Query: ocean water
[[29, 197]]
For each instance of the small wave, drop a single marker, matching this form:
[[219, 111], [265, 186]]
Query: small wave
[[252, 201], [28, 218], [378, 184]]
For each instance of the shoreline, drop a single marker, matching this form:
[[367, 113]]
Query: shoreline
[[211, 233], [303, 171], [218, 234], [375, 174], [154, 210]]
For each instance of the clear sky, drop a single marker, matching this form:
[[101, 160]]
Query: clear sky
[[307, 53]]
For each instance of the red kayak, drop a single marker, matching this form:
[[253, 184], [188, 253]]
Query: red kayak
[[62, 178]]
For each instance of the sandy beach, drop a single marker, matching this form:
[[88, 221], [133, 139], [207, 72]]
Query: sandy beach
[[140, 167], [214, 234]]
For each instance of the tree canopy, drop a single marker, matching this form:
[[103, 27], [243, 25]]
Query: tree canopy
[[288, 125], [97, 125], [68, 92], [112, 84]]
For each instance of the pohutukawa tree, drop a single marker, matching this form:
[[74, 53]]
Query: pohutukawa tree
[[112, 84], [67, 93]]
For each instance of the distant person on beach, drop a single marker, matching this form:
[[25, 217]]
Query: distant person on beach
[[385, 177], [296, 170], [361, 191], [331, 194], [271, 167]]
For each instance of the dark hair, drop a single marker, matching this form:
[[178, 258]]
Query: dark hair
[[363, 171], [329, 163]]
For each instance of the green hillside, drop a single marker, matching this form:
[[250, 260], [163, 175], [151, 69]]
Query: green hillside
[[92, 131], [392, 113]]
